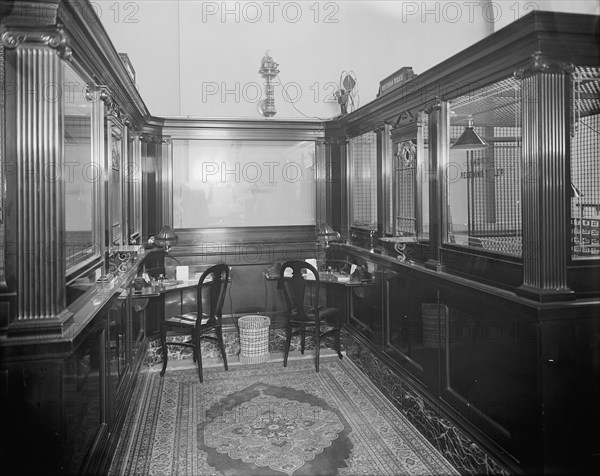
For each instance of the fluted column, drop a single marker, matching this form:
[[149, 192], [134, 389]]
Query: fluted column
[[35, 156], [545, 139], [438, 159]]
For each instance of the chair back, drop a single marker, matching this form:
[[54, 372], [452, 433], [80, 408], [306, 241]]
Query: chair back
[[294, 288], [217, 288]]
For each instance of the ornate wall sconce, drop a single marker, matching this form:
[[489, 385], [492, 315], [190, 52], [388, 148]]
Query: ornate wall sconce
[[268, 70]]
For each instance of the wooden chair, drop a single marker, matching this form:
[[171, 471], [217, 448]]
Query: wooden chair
[[200, 324], [316, 319]]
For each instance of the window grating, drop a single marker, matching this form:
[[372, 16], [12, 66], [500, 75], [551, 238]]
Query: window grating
[[484, 186], [585, 166]]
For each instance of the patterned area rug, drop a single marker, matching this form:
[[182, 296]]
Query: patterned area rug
[[265, 419]]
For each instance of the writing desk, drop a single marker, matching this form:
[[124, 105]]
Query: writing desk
[[339, 289], [169, 298]]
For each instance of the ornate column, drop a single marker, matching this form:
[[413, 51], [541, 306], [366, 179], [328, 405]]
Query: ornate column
[[35, 221], [545, 139], [438, 159], [383, 152]]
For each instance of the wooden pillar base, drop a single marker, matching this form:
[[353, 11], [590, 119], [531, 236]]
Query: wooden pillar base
[[545, 295]]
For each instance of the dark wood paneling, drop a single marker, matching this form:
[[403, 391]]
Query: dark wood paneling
[[520, 377]]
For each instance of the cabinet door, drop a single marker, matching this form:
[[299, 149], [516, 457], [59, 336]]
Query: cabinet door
[[490, 371], [116, 351], [137, 327], [85, 402], [367, 305], [415, 327]]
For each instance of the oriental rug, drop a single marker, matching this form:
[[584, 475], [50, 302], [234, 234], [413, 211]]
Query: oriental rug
[[265, 419]]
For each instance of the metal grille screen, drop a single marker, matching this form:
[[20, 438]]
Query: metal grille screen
[[585, 166], [484, 186]]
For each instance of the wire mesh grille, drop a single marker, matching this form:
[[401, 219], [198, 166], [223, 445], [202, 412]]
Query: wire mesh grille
[[484, 186], [363, 156], [585, 166]]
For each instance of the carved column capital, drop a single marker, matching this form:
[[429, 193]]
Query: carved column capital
[[53, 37], [112, 108], [543, 64], [379, 127], [433, 106], [337, 140], [156, 139]]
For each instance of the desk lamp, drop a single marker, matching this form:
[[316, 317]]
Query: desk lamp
[[326, 234], [166, 238]]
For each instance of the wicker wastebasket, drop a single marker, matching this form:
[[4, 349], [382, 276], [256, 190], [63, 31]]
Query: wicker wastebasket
[[254, 339]]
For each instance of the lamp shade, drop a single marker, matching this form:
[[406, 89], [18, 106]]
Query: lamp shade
[[166, 237], [326, 234], [326, 230], [470, 140]]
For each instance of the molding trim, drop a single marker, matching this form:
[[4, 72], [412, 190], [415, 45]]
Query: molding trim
[[156, 139], [337, 140]]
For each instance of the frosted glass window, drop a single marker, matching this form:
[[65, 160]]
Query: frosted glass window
[[80, 173], [363, 158], [232, 183]]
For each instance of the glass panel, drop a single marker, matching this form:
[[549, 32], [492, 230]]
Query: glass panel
[[226, 183], [405, 183], [423, 170], [114, 151], [363, 181], [484, 185], [134, 188], [585, 166], [80, 173]]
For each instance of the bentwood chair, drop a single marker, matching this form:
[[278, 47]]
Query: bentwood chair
[[206, 322], [319, 320]]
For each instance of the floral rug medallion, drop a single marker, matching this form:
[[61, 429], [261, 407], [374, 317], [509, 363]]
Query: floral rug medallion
[[277, 429]]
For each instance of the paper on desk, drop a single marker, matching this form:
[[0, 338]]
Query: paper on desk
[[182, 273], [312, 262]]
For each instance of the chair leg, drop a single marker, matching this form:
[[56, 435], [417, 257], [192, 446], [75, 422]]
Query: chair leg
[[317, 346], [303, 340], [338, 346], [194, 352], [288, 340], [165, 352], [219, 332], [199, 354]]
